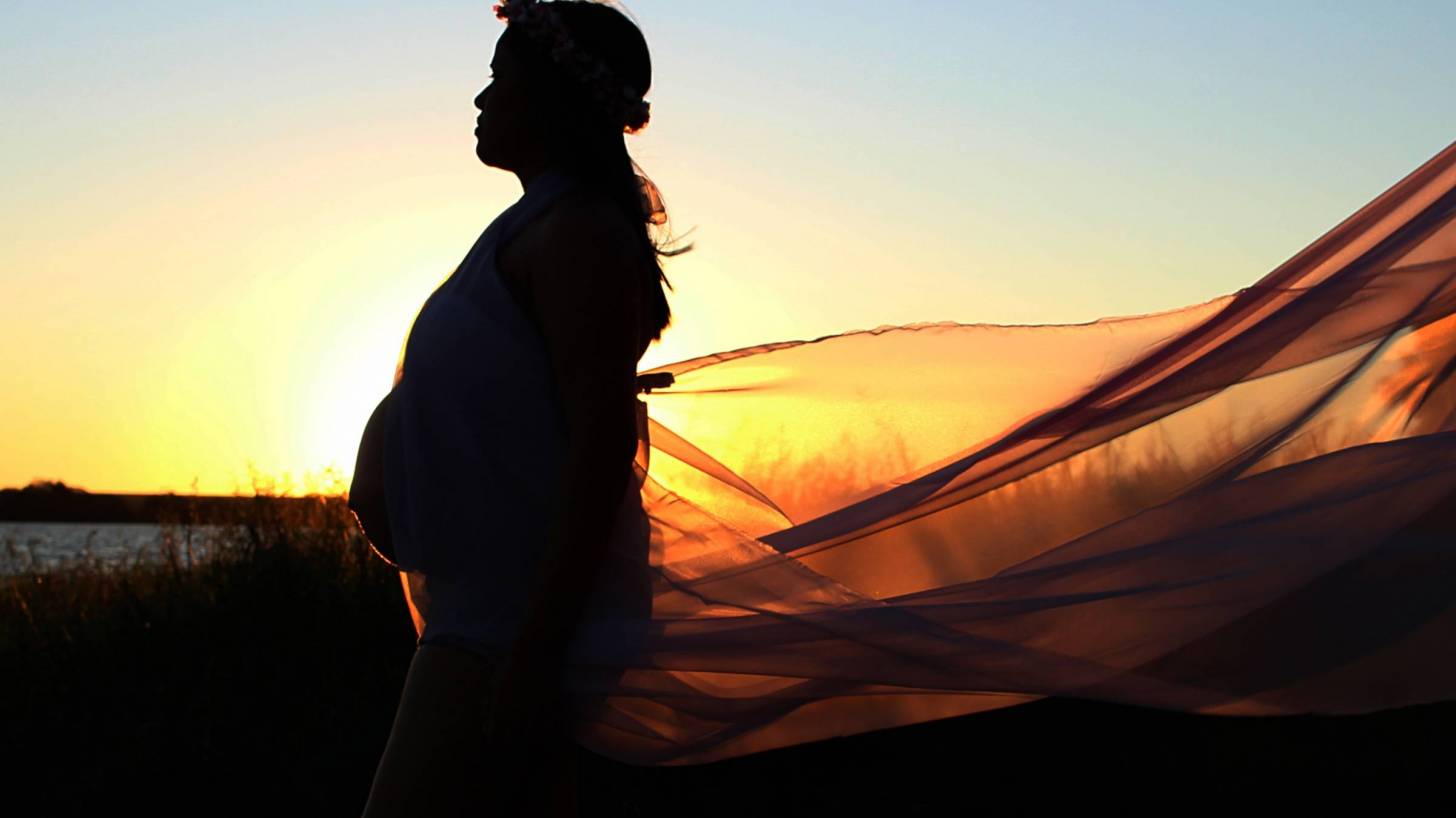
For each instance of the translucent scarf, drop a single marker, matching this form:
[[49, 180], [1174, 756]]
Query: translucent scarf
[[1232, 508]]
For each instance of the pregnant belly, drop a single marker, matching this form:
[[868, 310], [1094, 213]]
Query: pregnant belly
[[366, 491]]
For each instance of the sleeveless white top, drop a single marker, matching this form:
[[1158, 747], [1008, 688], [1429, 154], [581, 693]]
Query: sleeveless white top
[[473, 447]]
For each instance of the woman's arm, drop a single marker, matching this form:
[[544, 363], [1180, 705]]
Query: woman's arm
[[584, 292]]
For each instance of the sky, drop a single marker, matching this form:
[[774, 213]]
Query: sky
[[220, 218]]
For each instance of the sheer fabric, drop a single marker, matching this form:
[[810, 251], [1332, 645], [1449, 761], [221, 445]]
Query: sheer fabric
[[1235, 508]]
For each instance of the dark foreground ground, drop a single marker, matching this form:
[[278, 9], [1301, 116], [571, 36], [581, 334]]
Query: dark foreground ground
[[265, 682]]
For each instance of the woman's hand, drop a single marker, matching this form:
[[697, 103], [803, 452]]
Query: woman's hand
[[526, 704], [526, 727]]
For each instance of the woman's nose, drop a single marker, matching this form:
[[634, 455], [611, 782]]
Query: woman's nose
[[480, 98]]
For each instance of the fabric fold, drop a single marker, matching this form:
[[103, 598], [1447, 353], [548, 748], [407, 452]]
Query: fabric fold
[[1240, 507]]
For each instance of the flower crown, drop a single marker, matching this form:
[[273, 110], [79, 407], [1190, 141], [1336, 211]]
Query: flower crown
[[621, 102]]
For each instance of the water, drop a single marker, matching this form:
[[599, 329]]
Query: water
[[51, 545]]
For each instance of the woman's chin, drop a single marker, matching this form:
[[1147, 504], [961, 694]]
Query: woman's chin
[[488, 154]]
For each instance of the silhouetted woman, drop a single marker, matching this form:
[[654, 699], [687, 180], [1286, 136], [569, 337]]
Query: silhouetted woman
[[505, 450]]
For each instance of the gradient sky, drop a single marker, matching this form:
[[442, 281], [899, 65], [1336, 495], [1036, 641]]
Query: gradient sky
[[220, 219]]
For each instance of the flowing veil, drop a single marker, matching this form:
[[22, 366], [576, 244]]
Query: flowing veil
[[1235, 508]]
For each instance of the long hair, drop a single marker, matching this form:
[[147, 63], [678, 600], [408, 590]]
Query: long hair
[[585, 143]]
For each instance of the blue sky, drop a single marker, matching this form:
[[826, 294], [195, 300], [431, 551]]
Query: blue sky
[[205, 200]]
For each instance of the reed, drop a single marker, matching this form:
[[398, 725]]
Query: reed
[[253, 663], [261, 658]]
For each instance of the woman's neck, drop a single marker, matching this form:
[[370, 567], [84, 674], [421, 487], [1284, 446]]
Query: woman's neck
[[534, 174]]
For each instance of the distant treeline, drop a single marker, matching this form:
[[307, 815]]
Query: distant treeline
[[55, 502]]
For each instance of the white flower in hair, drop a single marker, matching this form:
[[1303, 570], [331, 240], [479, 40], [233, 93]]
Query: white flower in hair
[[620, 101]]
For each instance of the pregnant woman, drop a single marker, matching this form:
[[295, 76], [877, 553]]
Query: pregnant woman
[[498, 474], [1238, 508]]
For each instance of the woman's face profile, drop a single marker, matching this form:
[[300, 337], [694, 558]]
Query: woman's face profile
[[501, 133]]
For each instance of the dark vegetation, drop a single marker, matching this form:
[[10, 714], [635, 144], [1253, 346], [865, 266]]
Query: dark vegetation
[[54, 501], [263, 680]]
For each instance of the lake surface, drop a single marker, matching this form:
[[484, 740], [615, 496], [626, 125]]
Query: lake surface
[[51, 545]]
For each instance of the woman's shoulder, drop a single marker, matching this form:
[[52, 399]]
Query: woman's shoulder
[[585, 214], [581, 242], [582, 229]]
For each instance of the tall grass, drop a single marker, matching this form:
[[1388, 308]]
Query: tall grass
[[259, 660], [256, 667]]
